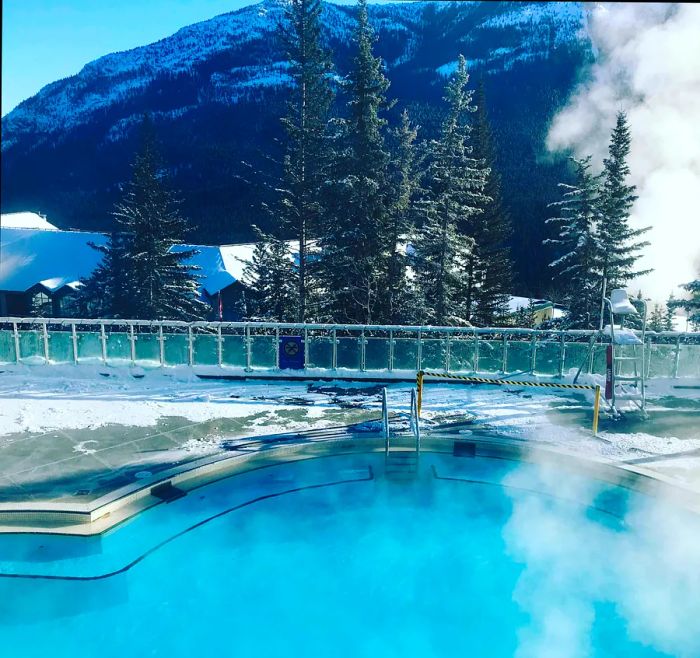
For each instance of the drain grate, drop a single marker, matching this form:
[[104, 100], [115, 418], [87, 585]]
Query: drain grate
[[167, 492], [464, 449]]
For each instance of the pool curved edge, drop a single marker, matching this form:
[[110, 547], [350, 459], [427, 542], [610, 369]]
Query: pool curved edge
[[103, 514]]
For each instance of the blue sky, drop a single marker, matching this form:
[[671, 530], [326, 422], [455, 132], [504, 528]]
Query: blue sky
[[45, 40]]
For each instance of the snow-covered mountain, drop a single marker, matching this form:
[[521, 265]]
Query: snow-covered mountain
[[215, 91]]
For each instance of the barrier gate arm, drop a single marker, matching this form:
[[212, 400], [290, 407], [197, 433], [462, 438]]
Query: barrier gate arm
[[421, 374]]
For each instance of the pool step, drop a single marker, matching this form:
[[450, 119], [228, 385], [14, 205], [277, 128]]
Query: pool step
[[401, 464]]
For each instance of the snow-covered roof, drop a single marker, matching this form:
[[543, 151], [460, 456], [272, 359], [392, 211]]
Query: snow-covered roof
[[51, 257], [55, 258], [219, 266], [517, 303], [25, 220]]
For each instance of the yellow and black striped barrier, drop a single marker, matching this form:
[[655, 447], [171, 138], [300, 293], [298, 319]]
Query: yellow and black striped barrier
[[508, 382]]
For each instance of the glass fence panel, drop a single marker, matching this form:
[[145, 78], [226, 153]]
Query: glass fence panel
[[433, 354], [632, 364], [574, 355], [206, 350], [349, 353], [490, 355], [118, 347], [7, 347], [89, 347], [175, 349], [661, 360], [599, 359], [462, 355], [405, 354], [320, 352], [547, 357], [519, 356], [233, 351], [263, 351], [689, 362], [61, 346], [147, 348], [377, 354], [31, 346]]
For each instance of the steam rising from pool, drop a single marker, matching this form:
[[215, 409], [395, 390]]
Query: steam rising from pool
[[577, 567], [647, 64]]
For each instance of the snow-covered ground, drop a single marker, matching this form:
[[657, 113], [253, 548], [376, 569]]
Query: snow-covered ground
[[67, 419]]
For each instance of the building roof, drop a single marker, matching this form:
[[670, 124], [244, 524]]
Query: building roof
[[517, 303], [51, 257], [25, 220], [55, 258]]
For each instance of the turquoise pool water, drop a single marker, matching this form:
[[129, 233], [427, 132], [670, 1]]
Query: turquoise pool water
[[325, 558]]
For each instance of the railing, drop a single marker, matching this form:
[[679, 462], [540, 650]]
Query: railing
[[252, 347], [385, 421], [415, 420]]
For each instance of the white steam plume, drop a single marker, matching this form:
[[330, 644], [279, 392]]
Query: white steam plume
[[648, 65]]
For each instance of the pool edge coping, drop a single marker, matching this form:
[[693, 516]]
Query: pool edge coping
[[111, 509]]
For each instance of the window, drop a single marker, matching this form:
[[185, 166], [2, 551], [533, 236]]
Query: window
[[41, 305]]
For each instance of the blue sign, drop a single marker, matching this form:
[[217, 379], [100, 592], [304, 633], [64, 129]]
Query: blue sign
[[291, 352]]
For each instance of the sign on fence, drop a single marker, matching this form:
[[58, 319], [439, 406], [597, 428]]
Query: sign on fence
[[291, 351]]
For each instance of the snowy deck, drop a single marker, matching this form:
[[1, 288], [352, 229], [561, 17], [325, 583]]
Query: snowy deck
[[69, 434]]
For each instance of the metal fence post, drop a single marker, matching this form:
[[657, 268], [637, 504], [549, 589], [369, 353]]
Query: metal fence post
[[391, 350], [334, 357], [190, 346], [103, 342], [448, 350], [15, 333], [277, 348], [248, 356], [419, 351], [677, 358], [220, 347], [562, 355], [306, 348], [161, 345], [363, 350], [46, 342], [74, 337], [476, 352], [504, 355], [533, 353], [132, 341]]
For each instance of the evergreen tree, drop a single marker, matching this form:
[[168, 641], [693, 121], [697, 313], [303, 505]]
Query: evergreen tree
[[306, 123], [106, 292], [272, 280], [692, 304], [525, 315], [657, 318], [579, 264], [399, 305], [144, 274], [670, 313], [620, 244], [453, 193], [490, 264], [162, 285], [353, 246]]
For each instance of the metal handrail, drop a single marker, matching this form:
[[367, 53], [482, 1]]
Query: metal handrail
[[415, 421], [385, 421]]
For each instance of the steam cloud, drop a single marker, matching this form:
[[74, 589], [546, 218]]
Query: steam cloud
[[648, 65], [650, 575]]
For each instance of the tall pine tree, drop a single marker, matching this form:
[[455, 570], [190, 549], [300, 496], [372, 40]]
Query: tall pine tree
[[490, 263], [399, 305], [144, 275], [452, 195], [579, 245], [620, 244], [692, 304], [272, 281], [306, 125], [353, 244]]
